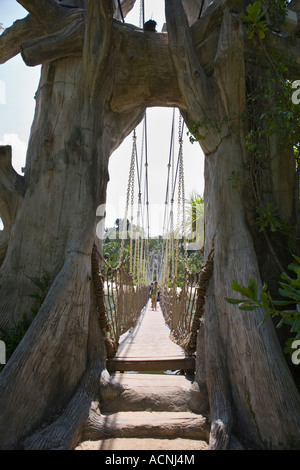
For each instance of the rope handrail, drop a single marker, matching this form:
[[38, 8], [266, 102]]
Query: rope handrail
[[118, 301], [184, 310]]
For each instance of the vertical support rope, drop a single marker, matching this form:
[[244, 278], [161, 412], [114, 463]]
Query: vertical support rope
[[132, 208], [142, 14], [120, 8], [183, 311], [130, 179]]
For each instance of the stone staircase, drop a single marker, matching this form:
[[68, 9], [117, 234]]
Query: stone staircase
[[161, 410]]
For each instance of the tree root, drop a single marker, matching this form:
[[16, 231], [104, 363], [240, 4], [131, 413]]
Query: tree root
[[217, 380], [96, 384], [67, 431]]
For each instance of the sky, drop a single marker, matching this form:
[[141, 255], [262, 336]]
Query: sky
[[18, 84]]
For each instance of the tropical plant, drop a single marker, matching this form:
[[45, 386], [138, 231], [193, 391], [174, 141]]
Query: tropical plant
[[287, 307], [256, 19]]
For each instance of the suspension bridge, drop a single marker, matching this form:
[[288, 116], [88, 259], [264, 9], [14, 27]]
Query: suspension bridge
[[148, 347], [153, 341], [137, 337]]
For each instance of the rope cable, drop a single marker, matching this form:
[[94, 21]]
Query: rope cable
[[146, 174], [142, 14], [120, 8], [202, 4]]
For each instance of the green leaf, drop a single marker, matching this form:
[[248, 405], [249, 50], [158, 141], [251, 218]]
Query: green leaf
[[282, 302], [297, 258], [264, 298], [247, 306], [253, 288], [233, 301], [296, 326]]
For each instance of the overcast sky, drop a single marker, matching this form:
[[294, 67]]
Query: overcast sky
[[18, 84]]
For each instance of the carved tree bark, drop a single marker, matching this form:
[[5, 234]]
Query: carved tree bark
[[98, 76], [234, 386]]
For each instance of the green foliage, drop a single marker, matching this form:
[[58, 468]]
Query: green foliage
[[270, 109], [256, 19], [195, 261], [198, 130], [269, 218], [287, 307], [194, 218], [277, 10], [273, 119], [12, 336]]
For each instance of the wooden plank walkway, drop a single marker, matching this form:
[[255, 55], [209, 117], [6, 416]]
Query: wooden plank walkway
[[148, 347]]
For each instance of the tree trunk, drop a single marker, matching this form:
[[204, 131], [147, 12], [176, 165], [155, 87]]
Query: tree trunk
[[244, 364], [92, 93]]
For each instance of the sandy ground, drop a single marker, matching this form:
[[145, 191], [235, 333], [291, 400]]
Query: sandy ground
[[143, 444]]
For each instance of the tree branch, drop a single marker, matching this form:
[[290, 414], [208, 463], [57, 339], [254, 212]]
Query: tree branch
[[21, 30], [229, 71], [46, 11], [65, 42], [289, 50], [211, 19], [194, 84], [31, 28], [11, 187], [127, 5], [149, 75], [4, 239], [97, 41]]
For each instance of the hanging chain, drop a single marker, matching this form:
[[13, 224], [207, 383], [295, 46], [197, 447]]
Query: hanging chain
[[178, 198], [129, 191], [171, 248], [181, 176], [132, 205], [142, 15], [140, 220]]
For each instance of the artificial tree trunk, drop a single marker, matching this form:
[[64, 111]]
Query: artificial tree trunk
[[98, 76], [245, 383]]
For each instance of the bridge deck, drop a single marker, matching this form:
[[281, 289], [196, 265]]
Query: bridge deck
[[148, 347]]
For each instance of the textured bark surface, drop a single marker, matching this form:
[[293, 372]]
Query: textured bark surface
[[98, 76], [242, 360]]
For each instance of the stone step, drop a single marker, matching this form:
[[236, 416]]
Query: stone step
[[156, 392], [146, 444], [145, 424]]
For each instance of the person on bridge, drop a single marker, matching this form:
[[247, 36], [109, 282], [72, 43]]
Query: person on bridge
[[154, 293]]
